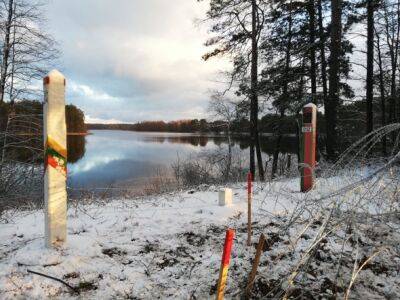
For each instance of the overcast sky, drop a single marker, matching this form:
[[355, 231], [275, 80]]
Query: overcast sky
[[133, 60]]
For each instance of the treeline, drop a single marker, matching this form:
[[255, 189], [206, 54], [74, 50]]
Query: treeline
[[22, 126], [160, 126], [286, 53], [28, 51], [30, 111]]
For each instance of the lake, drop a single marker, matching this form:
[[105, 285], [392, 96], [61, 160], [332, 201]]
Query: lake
[[107, 158]]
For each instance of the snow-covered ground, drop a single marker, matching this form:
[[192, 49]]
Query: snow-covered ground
[[170, 246]]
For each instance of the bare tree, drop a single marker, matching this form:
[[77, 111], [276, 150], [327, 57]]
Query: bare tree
[[256, 26], [237, 26], [381, 90], [6, 46], [223, 108], [370, 64], [28, 51], [387, 35]]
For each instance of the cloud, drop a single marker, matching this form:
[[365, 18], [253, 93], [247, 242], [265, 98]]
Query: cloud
[[134, 60]]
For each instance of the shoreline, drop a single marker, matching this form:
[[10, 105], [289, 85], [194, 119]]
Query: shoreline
[[200, 134]]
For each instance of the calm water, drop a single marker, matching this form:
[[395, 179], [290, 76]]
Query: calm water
[[108, 157]]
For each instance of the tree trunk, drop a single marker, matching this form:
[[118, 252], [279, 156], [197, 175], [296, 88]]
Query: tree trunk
[[254, 93], [322, 53], [229, 162], [382, 92], [285, 95], [392, 40], [277, 147], [6, 50], [334, 78], [370, 66], [11, 90], [313, 68]]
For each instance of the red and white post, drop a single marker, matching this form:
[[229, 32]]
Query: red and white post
[[226, 257], [308, 147]]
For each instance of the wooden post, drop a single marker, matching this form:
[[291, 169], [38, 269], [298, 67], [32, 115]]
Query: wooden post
[[226, 256], [308, 153], [256, 262], [55, 139], [249, 198]]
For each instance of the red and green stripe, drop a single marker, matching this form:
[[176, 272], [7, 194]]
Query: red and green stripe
[[56, 156]]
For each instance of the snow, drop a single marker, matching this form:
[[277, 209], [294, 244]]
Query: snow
[[170, 247]]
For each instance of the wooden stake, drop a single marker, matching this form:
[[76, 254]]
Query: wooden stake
[[249, 196], [256, 262]]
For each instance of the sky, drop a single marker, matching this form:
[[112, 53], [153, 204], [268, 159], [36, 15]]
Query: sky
[[133, 60]]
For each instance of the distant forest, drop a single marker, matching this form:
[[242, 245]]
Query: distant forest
[[161, 126], [75, 118], [351, 127]]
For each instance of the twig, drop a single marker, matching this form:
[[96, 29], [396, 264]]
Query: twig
[[56, 279], [355, 275]]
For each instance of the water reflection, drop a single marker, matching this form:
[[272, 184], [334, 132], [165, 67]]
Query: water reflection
[[76, 145], [268, 144], [106, 157]]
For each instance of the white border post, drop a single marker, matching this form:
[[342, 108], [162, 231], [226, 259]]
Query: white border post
[[55, 139]]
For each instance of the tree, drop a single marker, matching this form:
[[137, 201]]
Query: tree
[[322, 44], [226, 110], [387, 33], [256, 27], [237, 26], [10, 9], [370, 65], [381, 88], [286, 48], [334, 79], [27, 50], [313, 68]]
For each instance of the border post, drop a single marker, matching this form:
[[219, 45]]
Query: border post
[[55, 161], [308, 152]]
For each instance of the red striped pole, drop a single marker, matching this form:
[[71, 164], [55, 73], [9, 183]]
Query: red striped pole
[[249, 196], [308, 153], [226, 257]]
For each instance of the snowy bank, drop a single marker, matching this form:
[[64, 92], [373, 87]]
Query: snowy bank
[[170, 246]]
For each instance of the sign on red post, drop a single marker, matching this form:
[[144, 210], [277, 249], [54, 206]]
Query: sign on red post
[[308, 151]]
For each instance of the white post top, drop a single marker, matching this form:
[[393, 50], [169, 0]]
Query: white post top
[[312, 105], [56, 75]]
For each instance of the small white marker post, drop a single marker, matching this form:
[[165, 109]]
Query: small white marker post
[[55, 139], [225, 197]]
